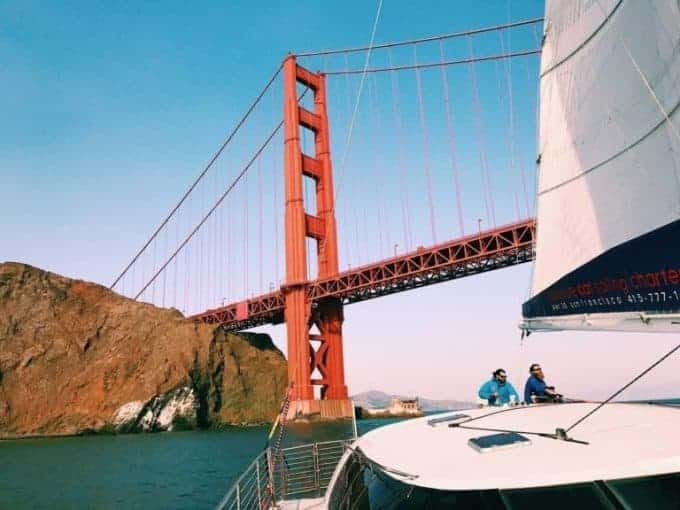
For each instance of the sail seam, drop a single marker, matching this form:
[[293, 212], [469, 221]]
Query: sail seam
[[666, 118], [584, 43]]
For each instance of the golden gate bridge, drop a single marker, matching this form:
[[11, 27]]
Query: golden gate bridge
[[227, 236]]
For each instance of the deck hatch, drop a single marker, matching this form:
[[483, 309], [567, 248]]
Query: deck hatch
[[446, 419], [500, 441]]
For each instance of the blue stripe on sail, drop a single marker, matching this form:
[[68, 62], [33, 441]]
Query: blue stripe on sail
[[640, 275]]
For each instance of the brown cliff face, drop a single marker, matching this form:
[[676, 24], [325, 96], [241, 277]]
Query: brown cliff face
[[75, 356]]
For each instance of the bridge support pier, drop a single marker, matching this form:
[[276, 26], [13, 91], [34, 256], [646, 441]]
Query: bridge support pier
[[314, 359]]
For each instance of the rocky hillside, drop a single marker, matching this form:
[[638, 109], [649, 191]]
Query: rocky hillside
[[76, 357]]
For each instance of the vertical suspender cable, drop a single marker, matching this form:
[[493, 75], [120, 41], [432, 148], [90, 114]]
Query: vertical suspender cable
[[230, 286], [153, 286], [343, 160], [377, 149], [276, 213], [426, 149], [245, 236], [259, 220], [187, 263], [488, 199], [214, 277], [201, 253], [513, 144], [276, 216], [174, 280], [200, 177], [165, 274], [221, 270], [396, 110], [452, 139], [345, 218]]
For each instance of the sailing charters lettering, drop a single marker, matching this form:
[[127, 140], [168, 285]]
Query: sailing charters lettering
[[637, 281]]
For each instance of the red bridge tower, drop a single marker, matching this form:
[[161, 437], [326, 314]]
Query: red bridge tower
[[309, 353]]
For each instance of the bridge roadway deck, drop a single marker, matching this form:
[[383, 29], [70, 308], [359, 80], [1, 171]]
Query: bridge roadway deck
[[485, 251]]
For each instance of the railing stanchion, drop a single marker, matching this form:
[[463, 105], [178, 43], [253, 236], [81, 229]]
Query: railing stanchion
[[315, 457], [257, 482]]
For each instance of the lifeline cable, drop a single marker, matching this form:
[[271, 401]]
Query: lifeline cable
[[626, 386]]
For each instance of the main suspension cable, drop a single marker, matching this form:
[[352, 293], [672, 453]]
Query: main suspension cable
[[437, 64], [423, 39], [221, 199], [212, 209], [205, 170]]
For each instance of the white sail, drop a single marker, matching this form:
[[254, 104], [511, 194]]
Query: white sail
[[608, 209]]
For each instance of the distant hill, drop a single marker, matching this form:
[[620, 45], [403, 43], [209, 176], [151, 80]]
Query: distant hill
[[376, 399]]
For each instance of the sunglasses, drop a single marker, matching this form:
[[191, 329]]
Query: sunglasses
[[536, 369]]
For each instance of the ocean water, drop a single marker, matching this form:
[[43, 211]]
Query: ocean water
[[172, 470]]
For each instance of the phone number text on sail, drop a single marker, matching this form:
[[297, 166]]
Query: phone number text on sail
[[633, 298]]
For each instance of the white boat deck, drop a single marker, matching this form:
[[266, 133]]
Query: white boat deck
[[625, 441]]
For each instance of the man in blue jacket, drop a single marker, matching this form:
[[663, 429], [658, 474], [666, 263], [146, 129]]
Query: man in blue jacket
[[498, 391], [535, 389]]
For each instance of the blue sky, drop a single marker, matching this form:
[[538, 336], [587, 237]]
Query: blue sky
[[110, 111]]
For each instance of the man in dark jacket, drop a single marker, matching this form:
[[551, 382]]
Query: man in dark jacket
[[536, 390]]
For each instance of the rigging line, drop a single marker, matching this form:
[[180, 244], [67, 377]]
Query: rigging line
[[626, 386], [546, 435], [205, 170], [437, 64], [356, 104], [423, 39], [217, 204]]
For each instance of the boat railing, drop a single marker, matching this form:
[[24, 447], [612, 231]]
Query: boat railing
[[296, 472]]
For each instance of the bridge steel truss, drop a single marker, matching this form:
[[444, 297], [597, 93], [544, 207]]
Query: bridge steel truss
[[488, 250]]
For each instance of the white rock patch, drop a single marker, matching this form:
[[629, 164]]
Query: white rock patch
[[128, 412], [183, 403]]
